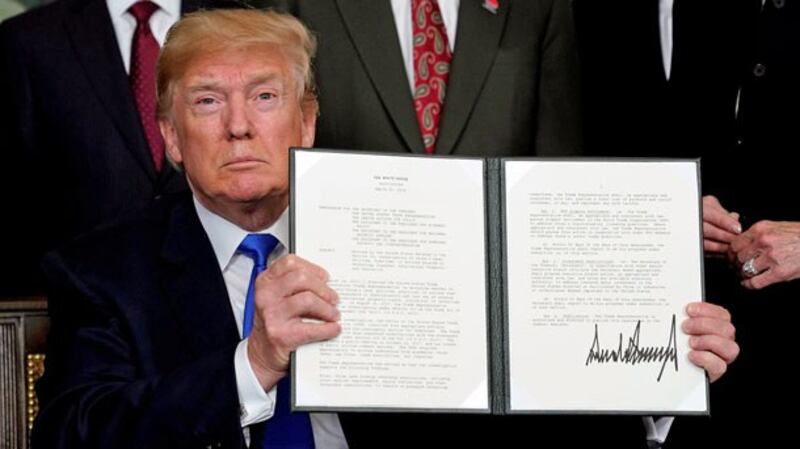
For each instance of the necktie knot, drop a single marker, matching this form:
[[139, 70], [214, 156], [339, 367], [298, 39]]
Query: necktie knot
[[142, 10], [258, 247]]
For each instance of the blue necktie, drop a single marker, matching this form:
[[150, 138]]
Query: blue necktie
[[285, 430]]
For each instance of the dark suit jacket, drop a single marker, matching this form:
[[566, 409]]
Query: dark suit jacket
[[763, 184], [74, 148], [141, 348], [512, 89], [632, 110]]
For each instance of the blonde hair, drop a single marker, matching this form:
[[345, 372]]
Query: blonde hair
[[205, 32]]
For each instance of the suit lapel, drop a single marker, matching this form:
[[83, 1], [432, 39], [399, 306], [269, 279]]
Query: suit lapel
[[371, 27], [92, 35], [477, 41], [193, 284]]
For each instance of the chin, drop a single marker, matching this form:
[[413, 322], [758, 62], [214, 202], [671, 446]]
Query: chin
[[252, 192]]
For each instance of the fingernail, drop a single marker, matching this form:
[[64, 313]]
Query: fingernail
[[692, 342], [690, 309], [737, 229]]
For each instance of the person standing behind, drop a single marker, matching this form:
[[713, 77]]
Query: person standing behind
[[726, 92], [762, 188], [506, 80], [80, 109]]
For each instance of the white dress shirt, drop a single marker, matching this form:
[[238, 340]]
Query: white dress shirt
[[665, 32], [404, 25], [257, 405], [124, 23]]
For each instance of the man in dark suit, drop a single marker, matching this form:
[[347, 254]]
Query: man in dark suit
[[72, 114], [145, 350]]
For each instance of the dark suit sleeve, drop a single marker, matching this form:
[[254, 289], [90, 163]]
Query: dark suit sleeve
[[98, 392], [558, 131]]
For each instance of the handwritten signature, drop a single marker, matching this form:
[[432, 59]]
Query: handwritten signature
[[633, 353]]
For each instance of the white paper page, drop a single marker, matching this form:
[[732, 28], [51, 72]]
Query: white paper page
[[602, 257], [403, 240]]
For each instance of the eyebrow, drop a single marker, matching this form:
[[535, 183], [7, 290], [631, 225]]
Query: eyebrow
[[209, 84], [262, 79]]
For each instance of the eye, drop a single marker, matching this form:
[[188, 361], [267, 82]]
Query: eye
[[206, 104], [266, 96]]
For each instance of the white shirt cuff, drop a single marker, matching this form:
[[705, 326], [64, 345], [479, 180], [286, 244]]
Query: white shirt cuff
[[255, 404]]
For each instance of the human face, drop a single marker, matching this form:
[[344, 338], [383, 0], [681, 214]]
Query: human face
[[234, 116]]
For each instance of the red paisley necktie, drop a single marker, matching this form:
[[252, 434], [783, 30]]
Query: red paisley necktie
[[431, 67]]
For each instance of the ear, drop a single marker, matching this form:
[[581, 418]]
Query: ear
[[170, 135], [309, 124]]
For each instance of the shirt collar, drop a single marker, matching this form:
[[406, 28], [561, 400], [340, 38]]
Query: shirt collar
[[226, 237], [118, 8]]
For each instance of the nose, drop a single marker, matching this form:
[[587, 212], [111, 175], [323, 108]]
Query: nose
[[238, 123]]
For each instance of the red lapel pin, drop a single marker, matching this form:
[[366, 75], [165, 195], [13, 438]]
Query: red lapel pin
[[491, 5]]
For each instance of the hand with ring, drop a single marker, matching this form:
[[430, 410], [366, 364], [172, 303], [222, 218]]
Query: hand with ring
[[768, 253]]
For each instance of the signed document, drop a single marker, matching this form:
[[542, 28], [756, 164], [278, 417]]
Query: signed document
[[602, 257], [500, 285]]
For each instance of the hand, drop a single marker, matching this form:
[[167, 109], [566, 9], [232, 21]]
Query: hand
[[288, 291], [712, 338], [774, 247], [720, 227]]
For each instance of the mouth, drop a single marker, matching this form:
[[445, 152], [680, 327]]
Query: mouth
[[243, 163]]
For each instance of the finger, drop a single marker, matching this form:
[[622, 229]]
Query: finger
[[746, 254], [715, 233], [311, 332], [724, 348], [708, 310], [716, 215], [292, 262], [308, 305], [743, 247], [706, 326], [722, 220], [762, 280], [712, 201], [742, 242], [297, 281], [714, 366]]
